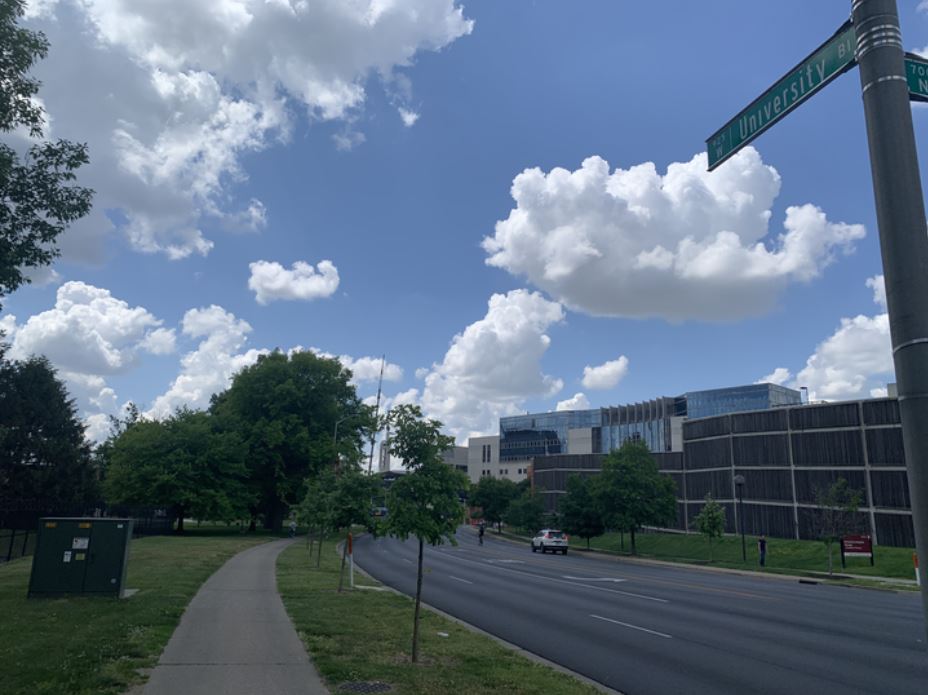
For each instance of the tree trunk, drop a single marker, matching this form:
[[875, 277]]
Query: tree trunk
[[710, 548], [631, 533], [415, 620], [830, 567], [499, 527], [319, 549], [341, 571], [622, 540], [587, 543], [180, 520], [274, 516], [253, 524]]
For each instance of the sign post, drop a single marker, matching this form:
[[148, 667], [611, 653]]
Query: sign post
[[900, 213]]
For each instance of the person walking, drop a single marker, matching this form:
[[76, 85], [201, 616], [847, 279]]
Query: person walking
[[762, 549]]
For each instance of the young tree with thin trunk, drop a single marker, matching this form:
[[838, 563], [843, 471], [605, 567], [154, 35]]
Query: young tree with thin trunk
[[425, 502], [710, 522], [836, 514]]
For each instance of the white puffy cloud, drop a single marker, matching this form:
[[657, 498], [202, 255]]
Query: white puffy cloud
[[494, 365], [88, 336], [364, 369], [210, 367], [170, 95], [854, 361], [688, 244], [89, 332], [409, 117], [577, 402], [606, 375], [270, 281], [778, 376]]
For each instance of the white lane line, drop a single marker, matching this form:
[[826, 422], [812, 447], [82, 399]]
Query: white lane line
[[406, 559], [506, 561], [559, 581], [633, 627], [593, 579], [458, 579]]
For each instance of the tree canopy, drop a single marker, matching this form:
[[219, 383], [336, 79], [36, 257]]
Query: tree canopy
[[526, 512], [288, 410], [579, 514], [631, 493], [493, 496], [836, 514], [45, 462], [37, 200], [185, 463]]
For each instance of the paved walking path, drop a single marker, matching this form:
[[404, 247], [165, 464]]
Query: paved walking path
[[235, 638]]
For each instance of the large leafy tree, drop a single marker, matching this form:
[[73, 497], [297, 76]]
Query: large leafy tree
[[45, 463], [493, 496], [631, 493], [579, 514], [37, 198], [297, 414], [185, 463], [425, 502], [526, 512]]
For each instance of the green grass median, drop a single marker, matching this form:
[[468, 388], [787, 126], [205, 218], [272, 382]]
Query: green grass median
[[96, 646], [364, 635], [783, 555]]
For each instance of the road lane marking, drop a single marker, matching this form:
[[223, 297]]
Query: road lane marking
[[506, 561], [458, 579], [406, 559], [633, 627], [560, 581], [593, 579]]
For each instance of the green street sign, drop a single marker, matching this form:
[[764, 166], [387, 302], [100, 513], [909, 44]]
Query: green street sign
[[916, 74], [829, 60]]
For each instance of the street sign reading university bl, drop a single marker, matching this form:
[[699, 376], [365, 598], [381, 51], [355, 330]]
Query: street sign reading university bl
[[828, 61]]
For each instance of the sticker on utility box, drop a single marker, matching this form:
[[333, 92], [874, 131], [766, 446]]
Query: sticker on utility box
[[79, 556], [80, 543], [67, 556]]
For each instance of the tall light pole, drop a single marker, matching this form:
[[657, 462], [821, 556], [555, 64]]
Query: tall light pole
[[739, 486], [900, 214]]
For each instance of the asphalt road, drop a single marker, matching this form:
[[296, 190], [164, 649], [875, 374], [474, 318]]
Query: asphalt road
[[644, 629]]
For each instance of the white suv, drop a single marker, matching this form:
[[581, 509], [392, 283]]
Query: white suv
[[550, 539]]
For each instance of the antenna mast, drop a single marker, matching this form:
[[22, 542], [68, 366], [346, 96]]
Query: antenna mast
[[370, 459]]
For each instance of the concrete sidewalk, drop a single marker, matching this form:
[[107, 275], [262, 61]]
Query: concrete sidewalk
[[235, 638]]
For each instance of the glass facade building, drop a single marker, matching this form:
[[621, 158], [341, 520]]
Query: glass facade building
[[545, 434], [738, 399]]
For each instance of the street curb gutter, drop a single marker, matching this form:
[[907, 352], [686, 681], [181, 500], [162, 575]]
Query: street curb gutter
[[532, 656]]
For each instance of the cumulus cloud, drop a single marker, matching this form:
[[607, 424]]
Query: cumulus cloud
[[363, 369], [89, 336], [606, 375], [210, 367], [409, 117], [778, 376], [578, 402], [854, 361], [494, 365], [270, 281], [688, 244], [171, 95]]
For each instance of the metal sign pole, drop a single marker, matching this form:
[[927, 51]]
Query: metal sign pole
[[900, 212]]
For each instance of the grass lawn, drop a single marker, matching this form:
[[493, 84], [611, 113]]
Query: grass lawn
[[94, 646], [365, 636], [782, 555]]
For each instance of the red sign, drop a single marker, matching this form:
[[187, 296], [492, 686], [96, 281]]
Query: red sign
[[860, 546]]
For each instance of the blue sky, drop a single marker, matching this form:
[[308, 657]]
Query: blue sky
[[386, 137]]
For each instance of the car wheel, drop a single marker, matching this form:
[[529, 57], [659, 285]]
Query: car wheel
[[564, 551], [534, 549], [543, 549]]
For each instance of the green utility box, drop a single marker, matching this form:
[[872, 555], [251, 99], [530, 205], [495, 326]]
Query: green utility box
[[80, 556]]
